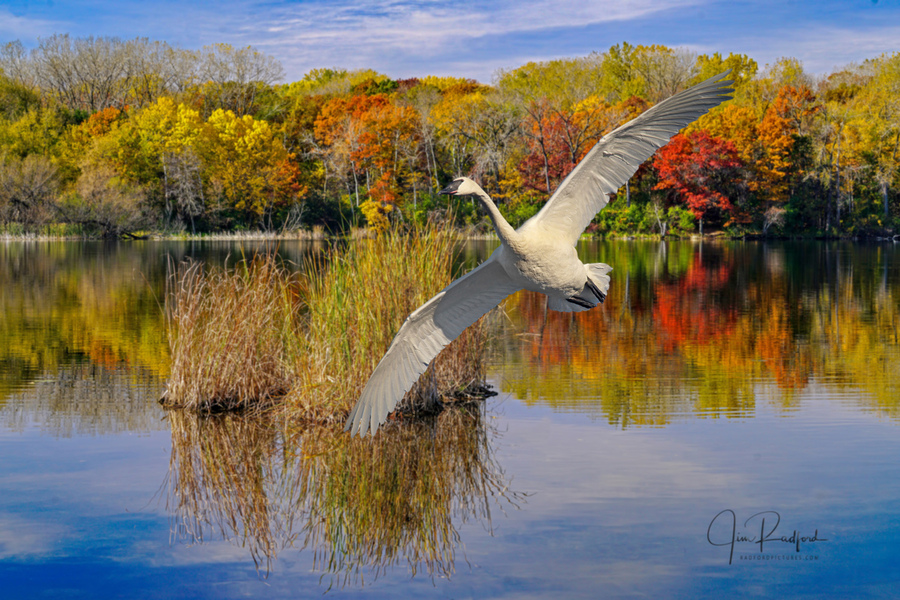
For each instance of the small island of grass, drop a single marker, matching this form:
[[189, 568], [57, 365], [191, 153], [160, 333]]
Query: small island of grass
[[260, 334]]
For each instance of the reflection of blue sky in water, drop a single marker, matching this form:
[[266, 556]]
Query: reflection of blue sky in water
[[630, 509], [624, 511]]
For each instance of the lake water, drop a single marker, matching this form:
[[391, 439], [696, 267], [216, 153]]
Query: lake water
[[726, 425]]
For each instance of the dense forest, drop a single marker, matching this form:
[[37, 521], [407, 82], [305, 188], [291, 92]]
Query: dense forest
[[109, 137]]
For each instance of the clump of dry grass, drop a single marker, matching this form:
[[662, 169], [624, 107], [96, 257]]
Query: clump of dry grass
[[231, 333], [239, 339]]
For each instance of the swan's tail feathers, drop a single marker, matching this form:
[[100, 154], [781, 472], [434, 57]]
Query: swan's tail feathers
[[598, 275], [594, 292]]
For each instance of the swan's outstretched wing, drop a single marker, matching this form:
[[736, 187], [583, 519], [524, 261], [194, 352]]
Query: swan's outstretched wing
[[424, 334], [615, 158]]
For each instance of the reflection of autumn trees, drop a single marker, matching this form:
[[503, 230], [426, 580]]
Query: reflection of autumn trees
[[859, 338], [82, 346], [702, 329], [683, 311], [70, 303], [687, 328]]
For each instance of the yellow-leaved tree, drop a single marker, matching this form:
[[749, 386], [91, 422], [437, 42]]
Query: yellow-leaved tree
[[880, 129], [250, 170]]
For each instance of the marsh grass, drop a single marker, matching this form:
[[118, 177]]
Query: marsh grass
[[231, 334], [259, 334], [361, 506]]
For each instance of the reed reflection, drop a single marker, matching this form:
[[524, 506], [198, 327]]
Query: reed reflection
[[360, 507], [708, 329]]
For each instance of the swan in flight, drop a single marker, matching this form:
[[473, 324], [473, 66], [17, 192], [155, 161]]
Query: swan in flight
[[540, 255]]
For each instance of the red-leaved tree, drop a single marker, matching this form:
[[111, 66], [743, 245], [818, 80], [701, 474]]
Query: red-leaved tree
[[703, 173]]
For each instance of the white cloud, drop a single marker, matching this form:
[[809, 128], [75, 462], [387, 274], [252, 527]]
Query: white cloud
[[372, 34], [21, 537], [821, 49], [14, 27], [469, 38]]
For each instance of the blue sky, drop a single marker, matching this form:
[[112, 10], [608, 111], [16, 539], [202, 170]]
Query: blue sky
[[474, 38]]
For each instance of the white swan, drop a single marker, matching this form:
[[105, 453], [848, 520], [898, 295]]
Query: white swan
[[539, 256]]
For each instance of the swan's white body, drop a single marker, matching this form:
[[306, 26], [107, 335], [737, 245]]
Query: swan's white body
[[539, 256]]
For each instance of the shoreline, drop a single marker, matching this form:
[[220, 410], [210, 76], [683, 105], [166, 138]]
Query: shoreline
[[318, 235], [303, 235]]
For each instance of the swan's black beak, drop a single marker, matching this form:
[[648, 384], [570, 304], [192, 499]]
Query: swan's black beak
[[450, 190]]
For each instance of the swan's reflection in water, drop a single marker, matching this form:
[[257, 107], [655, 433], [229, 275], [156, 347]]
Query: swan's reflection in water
[[359, 506]]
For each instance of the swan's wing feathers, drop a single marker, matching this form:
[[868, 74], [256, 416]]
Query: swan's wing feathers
[[615, 158], [424, 334]]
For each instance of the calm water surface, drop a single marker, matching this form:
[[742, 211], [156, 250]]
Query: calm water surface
[[725, 425]]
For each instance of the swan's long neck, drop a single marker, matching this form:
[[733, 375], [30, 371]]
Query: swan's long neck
[[504, 230]]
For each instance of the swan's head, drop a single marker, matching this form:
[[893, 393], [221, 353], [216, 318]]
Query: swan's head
[[462, 186]]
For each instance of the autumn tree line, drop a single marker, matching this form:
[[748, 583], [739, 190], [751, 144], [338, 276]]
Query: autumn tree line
[[107, 137]]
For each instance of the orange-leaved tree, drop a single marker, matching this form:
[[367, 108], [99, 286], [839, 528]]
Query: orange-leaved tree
[[785, 120], [371, 137]]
